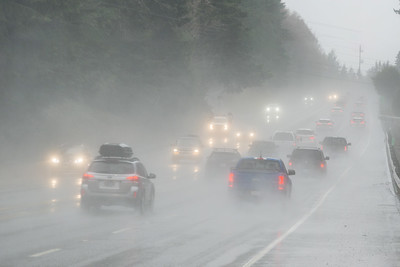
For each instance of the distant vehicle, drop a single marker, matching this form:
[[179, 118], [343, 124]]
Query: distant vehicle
[[117, 180], [220, 161], [337, 111], [305, 137], [262, 149], [357, 114], [324, 124], [335, 144], [67, 158], [260, 178], [340, 103], [309, 159], [284, 140], [219, 125], [273, 112], [358, 122], [359, 105], [309, 100], [187, 148], [332, 97], [245, 138]]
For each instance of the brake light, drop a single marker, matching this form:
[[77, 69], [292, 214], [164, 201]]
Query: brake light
[[87, 176], [345, 148], [231, 179], [290, 163], [352, 122], [322, 165], [312, 137], [329, 123], [322, 147], [362, 122], [281, 182], [132, 178]]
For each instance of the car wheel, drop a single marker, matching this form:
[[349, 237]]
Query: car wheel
[[151, 201], [142, 205]]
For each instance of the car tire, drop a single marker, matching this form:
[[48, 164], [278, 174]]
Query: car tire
[[142, 205], [151, 201]]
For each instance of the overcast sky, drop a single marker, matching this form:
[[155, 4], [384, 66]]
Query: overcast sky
[[344, 25]]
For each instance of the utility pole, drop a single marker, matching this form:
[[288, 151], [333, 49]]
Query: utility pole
[[360, 61]]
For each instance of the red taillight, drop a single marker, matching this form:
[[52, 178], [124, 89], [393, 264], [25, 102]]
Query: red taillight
[[231, 179], [352, 122], [281, 182], [290, 163], [132, 178], [329, 123], [312, 137], [345, 148], [362, 122], [322, 147], [87, 176], [322, 165]]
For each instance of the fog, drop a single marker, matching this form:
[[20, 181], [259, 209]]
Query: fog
[[107, 76]]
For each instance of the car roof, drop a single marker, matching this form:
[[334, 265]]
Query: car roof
[[307, 148], [116, 159], [262, 158], [358, 118], [325, 119], [224, 150]]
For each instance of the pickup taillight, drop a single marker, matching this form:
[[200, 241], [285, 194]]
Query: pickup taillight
[[281, 182]]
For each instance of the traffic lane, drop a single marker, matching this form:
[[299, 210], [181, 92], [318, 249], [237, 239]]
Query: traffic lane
[[357, 224], [201, 214]]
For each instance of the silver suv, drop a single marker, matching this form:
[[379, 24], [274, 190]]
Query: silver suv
[[117, 181]]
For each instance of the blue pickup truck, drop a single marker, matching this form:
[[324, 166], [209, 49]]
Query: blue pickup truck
[[260, 178]]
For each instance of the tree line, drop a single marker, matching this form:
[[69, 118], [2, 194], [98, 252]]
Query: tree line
[[148, 58]]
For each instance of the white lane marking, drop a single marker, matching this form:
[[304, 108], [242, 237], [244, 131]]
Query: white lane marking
[[274, 243], [45, 252], [121, 230]]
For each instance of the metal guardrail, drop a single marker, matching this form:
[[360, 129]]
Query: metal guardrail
[[394, 166]]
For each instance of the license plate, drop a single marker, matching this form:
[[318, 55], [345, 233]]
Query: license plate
[[109, 185]]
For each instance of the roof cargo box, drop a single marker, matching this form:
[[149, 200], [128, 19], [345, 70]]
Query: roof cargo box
[[115, 150]]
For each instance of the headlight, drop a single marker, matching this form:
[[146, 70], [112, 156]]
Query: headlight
[[238, 134], [175, 150], [277, 109], [211, 126], [196, 151], [225, 127], [268, 109], [78, 160], [55, 160], [251, 134], [305, 98]]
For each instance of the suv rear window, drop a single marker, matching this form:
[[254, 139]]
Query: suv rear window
[[307, 154], [259, 164], [305, 132], [283, 137], [112, 167], [334, 141]]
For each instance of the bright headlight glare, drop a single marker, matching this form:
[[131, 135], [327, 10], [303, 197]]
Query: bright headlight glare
[[238, 134], [211, 126], [268, 109], [225, 127], [276, 109], [78, 160], [175, 150], [251, 134], [196, 150], [55, 160]]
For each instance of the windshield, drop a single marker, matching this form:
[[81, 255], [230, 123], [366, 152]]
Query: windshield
[[188, 142], [304, 154], [112, 167]]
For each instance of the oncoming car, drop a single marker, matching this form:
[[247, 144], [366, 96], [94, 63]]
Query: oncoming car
[[67, 158], [273, 112], [117, 181], [187, 148]]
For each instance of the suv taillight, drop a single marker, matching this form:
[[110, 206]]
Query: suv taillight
[[132, 178], [87, 176], [231, 179]]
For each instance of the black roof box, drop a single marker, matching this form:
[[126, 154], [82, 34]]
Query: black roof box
[[117, 150]]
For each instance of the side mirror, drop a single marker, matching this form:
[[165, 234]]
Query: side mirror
[[291, 172], [326, 158], [151, 176], [349, 144]]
